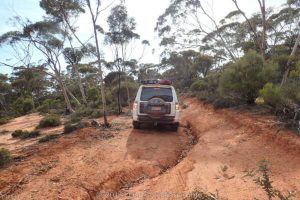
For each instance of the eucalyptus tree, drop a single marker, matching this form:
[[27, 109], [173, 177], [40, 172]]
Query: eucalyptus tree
[[47, 38], [73, 57], [294, 8], [148, 71], [68, 10], [186, 66], [120, 37], [65, 12], [95, 10], [6, 95], [30, 82], [259, 38], [184, 24]]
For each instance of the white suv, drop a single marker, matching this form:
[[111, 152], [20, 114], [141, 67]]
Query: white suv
[[156, 102]]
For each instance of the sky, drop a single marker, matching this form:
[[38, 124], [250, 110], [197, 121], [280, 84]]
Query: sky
[[145, 13]]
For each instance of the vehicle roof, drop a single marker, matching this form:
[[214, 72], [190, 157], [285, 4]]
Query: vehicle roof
[[157, 85]]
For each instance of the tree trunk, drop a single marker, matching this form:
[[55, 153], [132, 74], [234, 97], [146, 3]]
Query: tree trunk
[[64, 91], [128, 98], [80, 84], [100, 70], [72, 96], [288, 65], [3, 105], [256, 38], [119, 89], [263, 39]]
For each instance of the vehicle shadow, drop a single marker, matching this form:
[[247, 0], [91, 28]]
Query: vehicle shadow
[[153, 144]]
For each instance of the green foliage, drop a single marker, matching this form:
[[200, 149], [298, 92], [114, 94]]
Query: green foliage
[[295, 73], [184, 106], [23, 105], [96, 114], [5, 157], [84, 112], [199, 85], [291, 90], [69, 128], [198, 195], [75, 118], [206, 96], [50, 105], [272, 95], [25, 134], [262, 179], [219, 103], [244, 78], [126, 88], [187, 66], [3, 120], [112, 109], [48, 138], [50, 121], [121, 26], [93, 94], [17, 133]]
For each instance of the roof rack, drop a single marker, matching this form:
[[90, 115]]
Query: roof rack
[[157, 81]]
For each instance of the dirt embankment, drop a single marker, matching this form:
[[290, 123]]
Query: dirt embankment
[[157, 163]]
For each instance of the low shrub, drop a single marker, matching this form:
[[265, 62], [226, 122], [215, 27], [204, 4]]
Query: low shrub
[[262, 178], [199, 85], [272, 95], [23, 105], [51, 106], [244, 78], [69, 128], [3, 120], [96, 114], [206, 96], [5, 157], [84, 112], [4, 132], [75, 118], [50, 121], [112, 109], [184, 106], [25, 134], [31, 134], [48, 138], [290, 90], [17, 133], [223, 103], [199, 195]]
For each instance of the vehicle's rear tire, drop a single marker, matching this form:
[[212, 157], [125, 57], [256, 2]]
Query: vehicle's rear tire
[[174, 127], [136, 125]]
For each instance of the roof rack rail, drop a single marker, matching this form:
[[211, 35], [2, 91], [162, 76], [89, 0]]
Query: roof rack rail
[[157, 81]]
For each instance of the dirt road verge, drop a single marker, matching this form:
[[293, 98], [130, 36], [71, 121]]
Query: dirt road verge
[[210, 152]]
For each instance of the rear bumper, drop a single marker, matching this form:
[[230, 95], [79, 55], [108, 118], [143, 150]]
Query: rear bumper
[[166, 119], [161, 120]]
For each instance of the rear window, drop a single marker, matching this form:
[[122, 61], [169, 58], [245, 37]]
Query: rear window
[[151, 92]]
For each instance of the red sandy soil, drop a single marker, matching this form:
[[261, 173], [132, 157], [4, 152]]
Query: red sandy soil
[[210, 153]]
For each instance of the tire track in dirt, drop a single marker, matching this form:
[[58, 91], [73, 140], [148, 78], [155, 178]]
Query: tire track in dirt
[[229, 142], [210, 152], [84, 163], [119, 181]]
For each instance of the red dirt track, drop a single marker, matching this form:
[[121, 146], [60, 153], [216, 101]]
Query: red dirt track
[[209, 152]]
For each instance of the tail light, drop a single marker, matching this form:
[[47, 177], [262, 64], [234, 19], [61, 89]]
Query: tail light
[[135, 105], [177, 106]]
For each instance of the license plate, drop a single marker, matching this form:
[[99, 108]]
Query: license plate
[[155, 108]]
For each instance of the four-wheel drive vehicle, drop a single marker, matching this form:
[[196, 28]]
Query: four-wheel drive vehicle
[[156, 102]]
